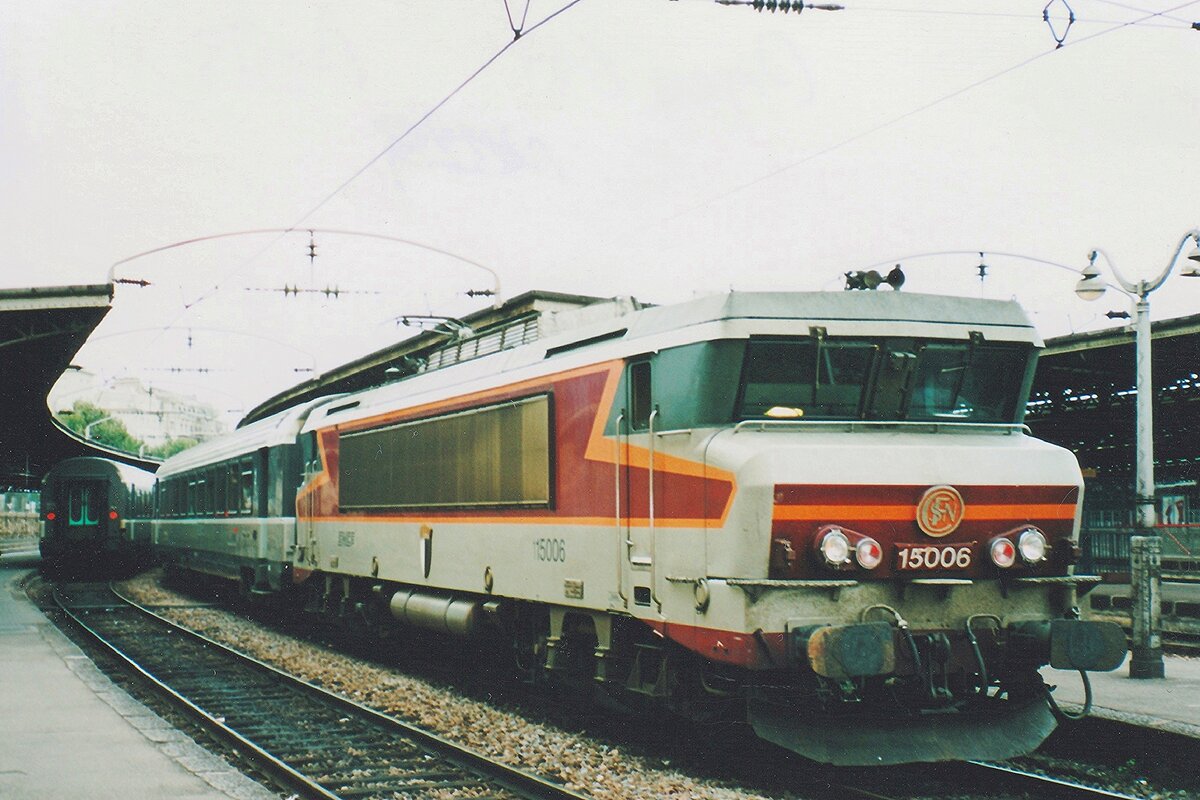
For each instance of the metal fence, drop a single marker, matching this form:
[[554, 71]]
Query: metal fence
[[1106, 549], [18, 528]]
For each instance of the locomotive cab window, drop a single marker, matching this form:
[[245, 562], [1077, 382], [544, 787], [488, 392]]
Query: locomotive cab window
[[797, 378], [959, 381], [889, 379]]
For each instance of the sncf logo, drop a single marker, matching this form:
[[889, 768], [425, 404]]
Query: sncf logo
[[940, 510]]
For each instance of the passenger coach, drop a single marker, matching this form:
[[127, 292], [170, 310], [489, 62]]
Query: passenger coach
[[88, 504]]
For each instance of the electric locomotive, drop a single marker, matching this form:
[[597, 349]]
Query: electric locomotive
[[818, 511], [88, 504]]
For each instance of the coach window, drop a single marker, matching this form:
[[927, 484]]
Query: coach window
[[220, 484], [233, 497], [640, 397], [80, 501], [247, 485]]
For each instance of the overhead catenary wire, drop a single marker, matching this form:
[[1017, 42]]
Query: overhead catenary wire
[[298, 224], [914, 112], [437, 106], [1164, 14], [1079, 20]]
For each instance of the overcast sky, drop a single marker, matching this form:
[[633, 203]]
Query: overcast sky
[[626, 147]]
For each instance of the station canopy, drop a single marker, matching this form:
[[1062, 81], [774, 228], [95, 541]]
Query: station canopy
[[1084, 398], [41, 330]]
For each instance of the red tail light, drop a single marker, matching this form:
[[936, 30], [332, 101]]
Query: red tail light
[[1003, 552], [868, 553]]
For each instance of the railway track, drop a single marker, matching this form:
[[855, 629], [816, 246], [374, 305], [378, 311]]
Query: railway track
[[971, 779], [310, 741], [321, 745]]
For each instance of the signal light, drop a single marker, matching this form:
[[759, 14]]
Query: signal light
[[835, 548], [868, 553], [112, 514], [1004, 552], [1032, 546], [51, 516], [840, 548]]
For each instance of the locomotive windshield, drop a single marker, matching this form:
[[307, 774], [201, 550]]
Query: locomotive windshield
[[884, 379]]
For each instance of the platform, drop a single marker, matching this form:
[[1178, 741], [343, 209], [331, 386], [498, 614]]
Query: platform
[[1170, 704], [70, 732]]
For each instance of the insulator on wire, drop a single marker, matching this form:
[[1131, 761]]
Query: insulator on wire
[[782, 5], [1059, 36]]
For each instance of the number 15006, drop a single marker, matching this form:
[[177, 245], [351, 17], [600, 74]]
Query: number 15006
[[550, 549], [933, 557]]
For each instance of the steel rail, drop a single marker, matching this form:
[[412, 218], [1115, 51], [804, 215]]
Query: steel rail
[[511, 780], [1041, 786], [963, 778], [975, 774]]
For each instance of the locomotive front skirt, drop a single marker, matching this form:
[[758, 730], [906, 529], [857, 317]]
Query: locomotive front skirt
[[817, 512]]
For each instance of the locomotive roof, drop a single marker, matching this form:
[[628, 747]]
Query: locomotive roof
[[742, 314], [916, 310], [726, 316]]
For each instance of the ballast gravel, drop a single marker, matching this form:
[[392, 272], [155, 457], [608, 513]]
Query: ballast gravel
[[582, 763], [595, 768]]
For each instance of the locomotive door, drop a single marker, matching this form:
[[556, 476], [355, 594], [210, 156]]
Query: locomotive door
[[306, 535], [637, 501]]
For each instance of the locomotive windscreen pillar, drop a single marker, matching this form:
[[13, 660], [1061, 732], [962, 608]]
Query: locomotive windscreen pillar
[[1145, 561]]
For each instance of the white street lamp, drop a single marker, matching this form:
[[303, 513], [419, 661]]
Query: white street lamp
[[1145, 550]]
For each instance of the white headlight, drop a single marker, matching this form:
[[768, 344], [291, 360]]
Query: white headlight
[[835, 548], [1003, 552], [868, 553], [1032, 545]]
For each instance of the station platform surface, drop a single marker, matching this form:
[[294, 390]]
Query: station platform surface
[[69, 732], [1170, 703]]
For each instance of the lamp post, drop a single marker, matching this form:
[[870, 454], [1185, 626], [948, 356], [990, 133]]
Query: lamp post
[[1147, 646], [87, 429]]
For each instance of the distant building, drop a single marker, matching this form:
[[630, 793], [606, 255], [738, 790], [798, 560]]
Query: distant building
[[151, 414]]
